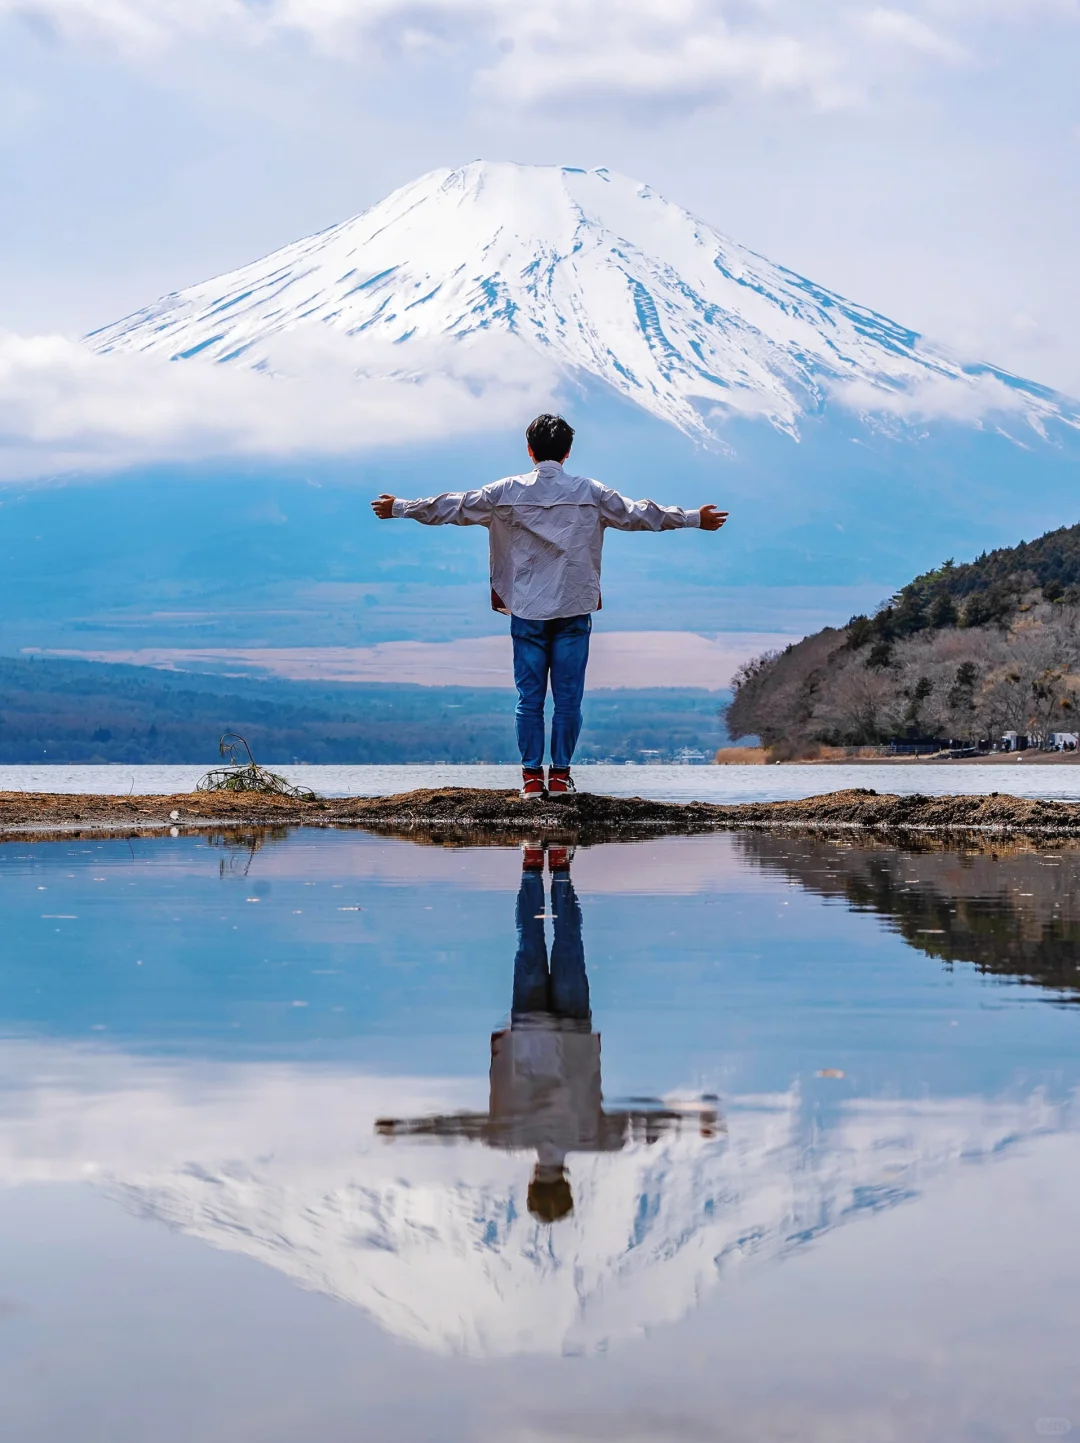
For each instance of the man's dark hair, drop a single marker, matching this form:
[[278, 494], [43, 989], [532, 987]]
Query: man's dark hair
[[550, 438], [550, 1199]]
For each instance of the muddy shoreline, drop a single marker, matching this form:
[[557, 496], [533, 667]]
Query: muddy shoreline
[[488, 814]]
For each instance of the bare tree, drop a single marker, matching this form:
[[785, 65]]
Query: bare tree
[[963, 683]]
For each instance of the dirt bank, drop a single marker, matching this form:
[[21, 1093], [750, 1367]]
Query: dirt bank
[[481, 813]]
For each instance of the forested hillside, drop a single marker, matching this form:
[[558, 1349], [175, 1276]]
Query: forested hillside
[[73, 711], [963, 653]]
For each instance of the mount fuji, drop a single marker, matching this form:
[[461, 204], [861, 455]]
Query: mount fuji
[[597, 276], [406, 348]]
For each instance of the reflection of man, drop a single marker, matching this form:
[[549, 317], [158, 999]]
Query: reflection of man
[[545, 1092]]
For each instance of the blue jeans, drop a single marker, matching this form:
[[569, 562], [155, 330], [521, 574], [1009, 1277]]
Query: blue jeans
[[559, 648], [560, 989]]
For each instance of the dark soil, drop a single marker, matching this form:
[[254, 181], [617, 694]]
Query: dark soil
[[467, 814]]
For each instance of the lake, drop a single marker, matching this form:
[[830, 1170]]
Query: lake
[[336, 1136], [666, 783]]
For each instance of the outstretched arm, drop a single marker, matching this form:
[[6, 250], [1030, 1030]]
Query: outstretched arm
[[472, 1125], [625, 515], [453, 508]]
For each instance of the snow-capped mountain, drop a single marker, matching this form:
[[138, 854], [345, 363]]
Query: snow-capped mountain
[[406, 350], [280, 1163], [594, 274]]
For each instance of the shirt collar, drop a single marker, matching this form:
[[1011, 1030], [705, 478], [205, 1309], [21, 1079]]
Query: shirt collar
[[548, 466]]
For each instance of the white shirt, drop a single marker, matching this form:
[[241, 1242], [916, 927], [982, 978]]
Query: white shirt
[[546, 534]]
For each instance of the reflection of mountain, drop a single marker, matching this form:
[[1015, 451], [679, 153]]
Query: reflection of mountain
[[1015, 913], [435, 1243]]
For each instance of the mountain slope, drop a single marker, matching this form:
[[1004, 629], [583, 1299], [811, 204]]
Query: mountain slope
[[590, 272], [961, 654]]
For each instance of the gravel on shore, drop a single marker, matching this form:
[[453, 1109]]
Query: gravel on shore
[[483, 813]]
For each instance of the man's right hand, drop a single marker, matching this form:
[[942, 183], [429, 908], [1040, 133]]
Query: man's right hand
[[383, 506], [711, 519]]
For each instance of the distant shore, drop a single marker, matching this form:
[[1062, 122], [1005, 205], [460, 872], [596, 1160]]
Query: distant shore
[[863, 756], [457, 814]]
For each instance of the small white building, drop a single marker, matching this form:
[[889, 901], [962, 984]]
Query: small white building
[[1063, 741], [1017, 741]]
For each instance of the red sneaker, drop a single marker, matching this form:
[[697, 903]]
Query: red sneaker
[[532, 785], [532, 856], [559, 858], [560, 782]]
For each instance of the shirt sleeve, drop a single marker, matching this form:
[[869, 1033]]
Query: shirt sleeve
[[453, 508], [625, 515]]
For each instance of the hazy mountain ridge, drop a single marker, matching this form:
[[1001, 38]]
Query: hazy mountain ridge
[[88, 712]]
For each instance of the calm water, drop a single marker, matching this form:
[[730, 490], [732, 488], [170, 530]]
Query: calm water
[[1060, 781], [332, 1137]]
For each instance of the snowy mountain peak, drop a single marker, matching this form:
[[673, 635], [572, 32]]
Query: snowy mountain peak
[[590, 276]]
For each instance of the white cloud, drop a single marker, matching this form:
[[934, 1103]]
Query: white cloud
[[899, 27], [969, 400], [640, 50], [133, 26], [584, 52], [64, 408]]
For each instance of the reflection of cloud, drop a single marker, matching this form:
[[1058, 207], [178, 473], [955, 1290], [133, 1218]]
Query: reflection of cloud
[[667, 867], [279, 1163]]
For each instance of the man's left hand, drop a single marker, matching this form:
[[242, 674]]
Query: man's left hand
[[711, 519], [383, 506]]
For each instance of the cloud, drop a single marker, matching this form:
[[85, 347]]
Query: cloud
[[968, 399], [643, 50], [578, 52], [898, 27], [64, 408]]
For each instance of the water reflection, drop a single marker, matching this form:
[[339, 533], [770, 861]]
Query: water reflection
[[336, 1012], [545, 1086], [241, 846], [1011, 909]]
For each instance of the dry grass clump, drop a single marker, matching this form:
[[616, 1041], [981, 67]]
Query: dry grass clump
[[248, 776]]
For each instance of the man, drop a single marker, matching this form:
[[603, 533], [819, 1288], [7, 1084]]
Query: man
[[546, 534], [545, 1093]]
